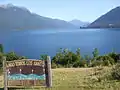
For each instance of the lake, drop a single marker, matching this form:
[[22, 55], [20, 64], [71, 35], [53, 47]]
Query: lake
[[32, 43]]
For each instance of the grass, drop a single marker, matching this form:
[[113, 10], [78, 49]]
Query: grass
[[77, 79], [1, 81]]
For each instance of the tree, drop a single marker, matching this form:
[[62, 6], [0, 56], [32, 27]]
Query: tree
[[106, 60], [1, 61], [22, 57], [1, 48], [88, 59], [11, 56], [1, 54], [114, 56], [58, 58], [66, 58], [43, 57], [78, 51], [95, 53], [78, 54]]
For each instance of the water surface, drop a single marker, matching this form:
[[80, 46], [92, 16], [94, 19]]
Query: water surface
[[32, 43]]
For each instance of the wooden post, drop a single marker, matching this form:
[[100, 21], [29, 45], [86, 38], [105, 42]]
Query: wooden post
[[5, 73], [48, 72]]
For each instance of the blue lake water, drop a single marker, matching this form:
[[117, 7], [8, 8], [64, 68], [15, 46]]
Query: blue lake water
[[32, 43]]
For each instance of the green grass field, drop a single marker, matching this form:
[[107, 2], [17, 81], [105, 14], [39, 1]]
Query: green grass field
[[76, 79]]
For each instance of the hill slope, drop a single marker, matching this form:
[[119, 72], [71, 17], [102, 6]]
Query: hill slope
[[79, 23], [110, 19], [13, 17]]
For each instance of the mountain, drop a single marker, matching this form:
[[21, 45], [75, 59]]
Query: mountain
[[20, 18], [79, 23], [108, 20]]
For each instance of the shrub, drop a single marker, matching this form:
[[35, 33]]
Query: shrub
[[1, 61], [1, 48], [76, 64], [82, 63], [114, 56], [96, 63], [103, 60], [59, 66], [116, 72], [53, 66], [11, 56]]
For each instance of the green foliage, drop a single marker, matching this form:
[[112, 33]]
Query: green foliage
[[76, 64], [43, 57], [82, 63], [103, 60], [96, 63], [59, 66], [1, 54], [11, 56], [95, 53], [1, 48], [114, 56], [53, 66], [1, 61], [88, 60], [22, 57], [68, 59], [107, 60]]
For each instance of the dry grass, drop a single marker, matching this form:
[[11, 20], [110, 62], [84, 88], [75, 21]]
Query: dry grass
[[1, 81], [72, 79]]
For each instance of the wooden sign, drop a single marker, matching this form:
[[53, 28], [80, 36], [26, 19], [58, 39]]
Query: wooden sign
[[27, 73]]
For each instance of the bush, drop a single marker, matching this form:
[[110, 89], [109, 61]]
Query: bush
[[59, 66], [22, 57], [110, 61], [1, 61], [96, 63], [1, 48], [114, 56], [82, 63], [116, 72], [103, 60], [11, 56], [76, 64], [53, 66]]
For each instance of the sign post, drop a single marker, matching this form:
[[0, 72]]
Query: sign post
[[5, 73], [48, 72]]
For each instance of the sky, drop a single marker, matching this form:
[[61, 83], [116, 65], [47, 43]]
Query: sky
[[84, 10]]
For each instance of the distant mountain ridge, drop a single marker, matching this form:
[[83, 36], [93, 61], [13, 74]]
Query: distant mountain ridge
[[20, 18], [108, 20], [79, 23]]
